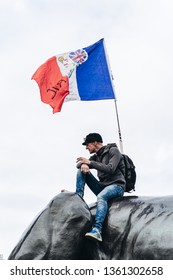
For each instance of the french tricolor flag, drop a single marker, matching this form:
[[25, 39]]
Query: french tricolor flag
[[78, 75]]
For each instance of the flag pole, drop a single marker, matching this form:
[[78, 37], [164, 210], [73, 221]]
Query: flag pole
[[115, 101]]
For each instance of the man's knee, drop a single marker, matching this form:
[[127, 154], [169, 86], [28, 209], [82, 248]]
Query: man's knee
[[79, 172], [81, 175]]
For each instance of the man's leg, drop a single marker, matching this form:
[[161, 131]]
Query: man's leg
[[103, 197], [90, 180]]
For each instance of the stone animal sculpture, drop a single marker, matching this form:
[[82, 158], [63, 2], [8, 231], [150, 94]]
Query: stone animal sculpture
[[136, 228]]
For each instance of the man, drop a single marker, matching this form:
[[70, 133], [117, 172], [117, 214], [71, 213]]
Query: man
[[108, 162]]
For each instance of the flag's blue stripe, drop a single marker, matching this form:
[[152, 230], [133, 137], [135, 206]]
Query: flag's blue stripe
[[93, 78]]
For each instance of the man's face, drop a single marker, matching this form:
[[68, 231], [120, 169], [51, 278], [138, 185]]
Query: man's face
[[91, 147]]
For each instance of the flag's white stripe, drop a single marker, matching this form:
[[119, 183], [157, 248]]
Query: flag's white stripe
[[68, 68]]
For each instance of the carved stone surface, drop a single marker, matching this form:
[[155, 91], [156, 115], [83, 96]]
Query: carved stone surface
[[136, 228]]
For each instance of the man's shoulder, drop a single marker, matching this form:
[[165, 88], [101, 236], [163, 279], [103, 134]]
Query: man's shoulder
[[111, 147]]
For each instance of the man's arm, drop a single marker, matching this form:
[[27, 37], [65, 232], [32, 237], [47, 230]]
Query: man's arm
[[114, 159]]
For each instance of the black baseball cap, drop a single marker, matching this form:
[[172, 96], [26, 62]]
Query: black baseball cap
[[92, 137]]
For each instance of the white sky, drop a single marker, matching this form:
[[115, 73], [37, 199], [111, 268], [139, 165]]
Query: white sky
[[38, 150]]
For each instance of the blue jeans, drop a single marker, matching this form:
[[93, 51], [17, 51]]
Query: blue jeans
[[103, 194]]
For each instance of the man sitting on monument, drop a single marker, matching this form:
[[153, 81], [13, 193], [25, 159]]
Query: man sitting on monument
[[108, 161]]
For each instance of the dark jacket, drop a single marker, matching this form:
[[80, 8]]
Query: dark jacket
[[109, 163]]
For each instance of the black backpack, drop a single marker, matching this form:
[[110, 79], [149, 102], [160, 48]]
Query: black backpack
[[130, 174]]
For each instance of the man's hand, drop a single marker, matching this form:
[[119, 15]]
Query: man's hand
[[85, 168], [84, 164], [83, 160]]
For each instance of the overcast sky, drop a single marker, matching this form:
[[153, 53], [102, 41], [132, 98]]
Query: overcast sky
[[38, 149]]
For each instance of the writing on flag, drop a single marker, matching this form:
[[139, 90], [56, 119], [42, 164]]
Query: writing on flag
[[77, 75]]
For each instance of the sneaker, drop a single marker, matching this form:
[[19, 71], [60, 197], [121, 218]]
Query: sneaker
[[94, 234]]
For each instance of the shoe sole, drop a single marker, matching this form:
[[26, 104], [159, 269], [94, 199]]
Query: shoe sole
[[91, 237]]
